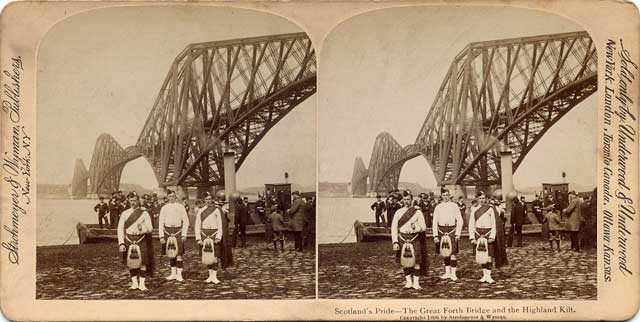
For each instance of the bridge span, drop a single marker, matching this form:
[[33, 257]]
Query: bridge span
[[218, 97], [496, 101]]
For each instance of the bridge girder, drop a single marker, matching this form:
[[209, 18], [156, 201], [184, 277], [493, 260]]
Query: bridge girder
[[495, 94], [218, 96]]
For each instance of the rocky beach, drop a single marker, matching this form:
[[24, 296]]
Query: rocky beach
[[95, 272], [369, 271]]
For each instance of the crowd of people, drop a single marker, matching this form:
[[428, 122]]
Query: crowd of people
[[409, 218], [215, 231]]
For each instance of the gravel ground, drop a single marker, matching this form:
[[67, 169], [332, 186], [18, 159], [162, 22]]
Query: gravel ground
[[94, 271], [368, 270]]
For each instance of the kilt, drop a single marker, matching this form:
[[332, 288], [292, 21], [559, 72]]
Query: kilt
[[217, 246], [173, 231], [451, 231], [490, 246], [416, 246], [145, 255]]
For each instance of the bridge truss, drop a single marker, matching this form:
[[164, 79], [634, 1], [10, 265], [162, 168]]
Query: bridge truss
[[502, 94], [217, 96]]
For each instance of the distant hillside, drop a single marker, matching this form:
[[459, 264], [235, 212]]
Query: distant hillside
[[341, 189], [61, 191], [333, 189]]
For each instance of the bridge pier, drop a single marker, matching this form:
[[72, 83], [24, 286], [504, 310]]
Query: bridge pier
[[230, 182], [506, 169]]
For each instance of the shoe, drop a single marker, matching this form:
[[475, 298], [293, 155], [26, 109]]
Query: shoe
[[141, 286], [416, 283], [214, 277], [172, 276], [484, 276], [134, 283], [447, 273], [453, 276], [489, 279], [409, 283]]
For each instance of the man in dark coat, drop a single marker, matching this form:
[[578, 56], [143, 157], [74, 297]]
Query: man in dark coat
[[573, 213], [392, 205], [226, 259], [517, 220], [115, 208], [102, 209], [536, 206], [379, 207], [241, 220], [296, 213]]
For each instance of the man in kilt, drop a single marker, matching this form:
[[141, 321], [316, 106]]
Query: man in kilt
[[482, 223], [209, 225], [406, 227], [447, 221], [134, 229], [173, 222]]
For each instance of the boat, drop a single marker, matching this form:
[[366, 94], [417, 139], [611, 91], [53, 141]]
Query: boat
[[92, 233], [369, 231]]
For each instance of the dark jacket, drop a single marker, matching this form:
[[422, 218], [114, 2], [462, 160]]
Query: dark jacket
[[101, 208], [379, 207], [518, 213], [242, 214], [574, 211], [297, 214]]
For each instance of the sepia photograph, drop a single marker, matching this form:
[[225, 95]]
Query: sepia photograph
[[176, 156], [457, 157]]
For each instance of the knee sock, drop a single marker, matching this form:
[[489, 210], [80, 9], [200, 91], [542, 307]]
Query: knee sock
[[172, 262]]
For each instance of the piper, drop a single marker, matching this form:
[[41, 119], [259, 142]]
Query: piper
[[134, 238], [208, 233], [407, 224], [172, 231], [447, 221], [482, 233]]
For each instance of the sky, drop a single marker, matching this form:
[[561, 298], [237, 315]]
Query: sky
[[394, 61], [100, 72]]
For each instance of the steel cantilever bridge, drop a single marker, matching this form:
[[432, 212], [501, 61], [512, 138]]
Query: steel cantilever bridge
[[496, 95], [218, 96]]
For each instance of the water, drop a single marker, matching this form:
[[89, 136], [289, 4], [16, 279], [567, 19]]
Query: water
[[57, 219], [337, 215]]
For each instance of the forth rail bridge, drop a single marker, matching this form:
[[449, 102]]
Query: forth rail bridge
[[497, 99], [217, 102]]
